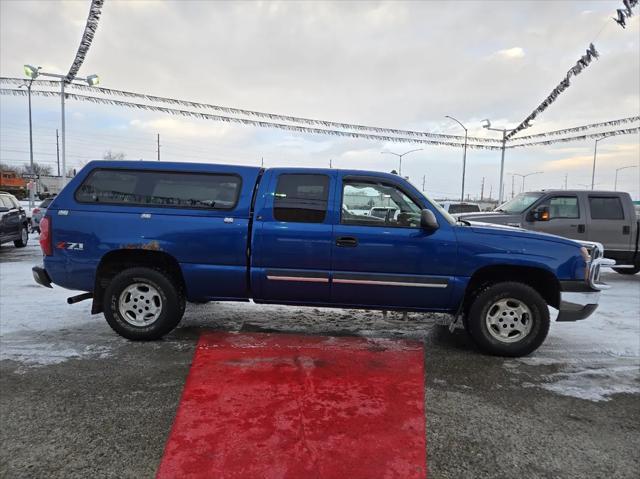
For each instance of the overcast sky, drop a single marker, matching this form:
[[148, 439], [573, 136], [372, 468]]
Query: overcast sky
[[393, 64]]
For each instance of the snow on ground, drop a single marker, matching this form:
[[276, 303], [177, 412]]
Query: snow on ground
[[36, 322], [590, 359], [600, 355]]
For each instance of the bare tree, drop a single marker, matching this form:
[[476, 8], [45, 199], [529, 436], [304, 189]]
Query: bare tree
[[5, 167], [37, 169], [110, 155]]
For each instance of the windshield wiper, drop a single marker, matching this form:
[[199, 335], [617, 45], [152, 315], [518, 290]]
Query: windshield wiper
[[500, 209], [464, 222]]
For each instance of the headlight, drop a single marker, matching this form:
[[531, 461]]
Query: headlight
[[585, 255]]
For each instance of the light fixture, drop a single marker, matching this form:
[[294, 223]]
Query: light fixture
[[31, 71], [487, 124], [93, 80]]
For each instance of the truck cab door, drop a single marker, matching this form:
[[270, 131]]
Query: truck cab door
[[565, 216], [292, 240], [390, 262], [609, 223]]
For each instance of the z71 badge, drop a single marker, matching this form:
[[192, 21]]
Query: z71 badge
[[70, 246]]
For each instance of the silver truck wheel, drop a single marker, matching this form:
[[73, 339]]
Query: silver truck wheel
[[509, 320], [143, 303], [140, 304]]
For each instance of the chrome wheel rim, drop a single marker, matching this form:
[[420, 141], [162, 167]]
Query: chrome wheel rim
[[509, 320], [140, 304]]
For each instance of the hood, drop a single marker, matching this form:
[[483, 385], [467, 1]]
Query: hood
[[495, 217], [501, 229]]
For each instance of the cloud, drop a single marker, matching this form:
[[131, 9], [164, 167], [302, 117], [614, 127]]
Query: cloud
[[511, 53]]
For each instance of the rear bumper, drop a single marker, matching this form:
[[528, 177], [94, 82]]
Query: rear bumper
[[41, 277]]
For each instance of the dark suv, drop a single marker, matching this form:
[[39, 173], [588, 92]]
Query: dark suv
[[14, 225]]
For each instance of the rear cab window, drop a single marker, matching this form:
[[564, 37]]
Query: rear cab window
[[606, 208], [160, 189], [301, 198]]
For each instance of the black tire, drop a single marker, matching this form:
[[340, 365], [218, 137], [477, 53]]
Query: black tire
[[24, 238], [628, 271], [480, 309], [171, 299]]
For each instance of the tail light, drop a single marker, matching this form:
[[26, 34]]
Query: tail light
[[46, 242]]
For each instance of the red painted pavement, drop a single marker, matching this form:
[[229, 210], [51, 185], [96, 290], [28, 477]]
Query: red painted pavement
[[283, 406]]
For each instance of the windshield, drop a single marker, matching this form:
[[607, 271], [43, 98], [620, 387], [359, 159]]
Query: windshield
[[455, 208], [518, 204]]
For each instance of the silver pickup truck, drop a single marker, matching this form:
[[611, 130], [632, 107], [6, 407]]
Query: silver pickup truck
[[606, 217]]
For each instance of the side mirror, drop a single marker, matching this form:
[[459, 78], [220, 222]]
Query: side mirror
[[428, 220], [3, 209], [541, 213]]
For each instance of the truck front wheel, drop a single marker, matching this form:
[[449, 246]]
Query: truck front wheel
[[143, 304], [627, 271], [508, 319]]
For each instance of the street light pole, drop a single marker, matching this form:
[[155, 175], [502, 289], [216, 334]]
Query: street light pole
[[464, 154], [400, 155], [615, 183], [595, 151], [504, 144], [31, 192], [524, 176], [92, 80]]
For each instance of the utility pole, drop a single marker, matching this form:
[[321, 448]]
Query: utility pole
[[330, 163], [262, 161], [491, 191], [57, 152], [158, 146], [482, 189], [424, 180], [566, 177], [512, 185]]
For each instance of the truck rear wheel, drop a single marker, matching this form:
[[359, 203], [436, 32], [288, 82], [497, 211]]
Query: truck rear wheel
[[143, 304], [508, 319]]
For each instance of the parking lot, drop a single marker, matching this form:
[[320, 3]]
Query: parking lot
[[79, 401]]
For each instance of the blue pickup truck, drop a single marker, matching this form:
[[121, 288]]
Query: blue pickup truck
[[142, 238]]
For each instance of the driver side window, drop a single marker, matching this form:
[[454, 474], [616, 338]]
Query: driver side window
[[562, 207], [371, 203]]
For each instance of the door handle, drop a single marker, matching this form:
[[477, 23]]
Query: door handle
[[347, 241]]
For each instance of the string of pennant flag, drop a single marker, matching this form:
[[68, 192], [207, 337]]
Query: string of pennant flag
[[580, 65], [623, 13], [251, 113], [248, 122], [87, 37], [340, 133]]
